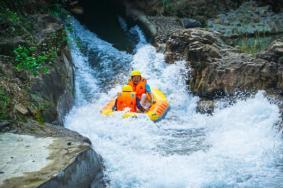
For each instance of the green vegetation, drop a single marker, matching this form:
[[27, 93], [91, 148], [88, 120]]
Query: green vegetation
[[32, 56], [169, 7], [38, 107], [33, 60], [56, 10], [252, 45], [38, 117], [166, 3], [17, 23], [4, 103], [33, 46]]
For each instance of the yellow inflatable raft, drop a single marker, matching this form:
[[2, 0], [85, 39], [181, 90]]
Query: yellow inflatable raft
[[155, 113]]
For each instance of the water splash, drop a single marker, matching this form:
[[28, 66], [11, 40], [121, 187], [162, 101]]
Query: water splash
[[106, 61], [235, 147]]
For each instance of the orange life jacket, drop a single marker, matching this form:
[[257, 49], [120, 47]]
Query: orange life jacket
[[139, 88], [126, 100]]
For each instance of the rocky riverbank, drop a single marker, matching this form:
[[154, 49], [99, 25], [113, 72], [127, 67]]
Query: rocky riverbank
[[37, 77], [36, 92], [218, 69]]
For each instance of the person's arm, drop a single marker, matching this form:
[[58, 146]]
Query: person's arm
[[139, 106], [148, 90]]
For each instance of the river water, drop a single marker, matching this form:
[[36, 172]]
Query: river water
[[237, 146]]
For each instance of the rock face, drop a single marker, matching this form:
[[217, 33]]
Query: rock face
[[190, 23], [35, 153], [46, 97], [218, 69], [56, 157], [164, 27], [273, 69], [56, 87]]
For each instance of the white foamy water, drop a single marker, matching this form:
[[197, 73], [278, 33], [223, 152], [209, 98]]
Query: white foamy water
[[235, 147]]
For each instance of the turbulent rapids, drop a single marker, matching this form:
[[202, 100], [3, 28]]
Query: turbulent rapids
[[237, 146]]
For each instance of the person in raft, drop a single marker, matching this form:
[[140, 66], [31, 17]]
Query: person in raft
[[143, 95], [126, 99]]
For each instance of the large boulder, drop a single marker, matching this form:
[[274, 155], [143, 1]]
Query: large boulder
[[218, 69], [47, 156]]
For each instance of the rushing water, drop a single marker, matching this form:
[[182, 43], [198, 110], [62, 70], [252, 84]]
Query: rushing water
[[237, 146]]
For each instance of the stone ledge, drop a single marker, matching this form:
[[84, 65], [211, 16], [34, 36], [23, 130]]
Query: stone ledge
[[48, 156]]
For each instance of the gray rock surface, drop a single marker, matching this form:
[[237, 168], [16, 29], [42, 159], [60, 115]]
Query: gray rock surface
[[56, 87], [190, 23], [47, 156], [46, 97]]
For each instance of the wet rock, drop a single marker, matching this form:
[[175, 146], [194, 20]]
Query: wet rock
[[142, 20], [190, 23], [159, 28], [205, 106], [4, 125], [218, 69], [195, 45], [59, 80]]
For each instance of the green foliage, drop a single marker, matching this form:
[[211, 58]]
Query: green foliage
[[4, 103], [34, 60], [12, 16], [38, 117], [168, 6], [18, 24], [32, 57], [253, 45], [56, 10], [165, 3]]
